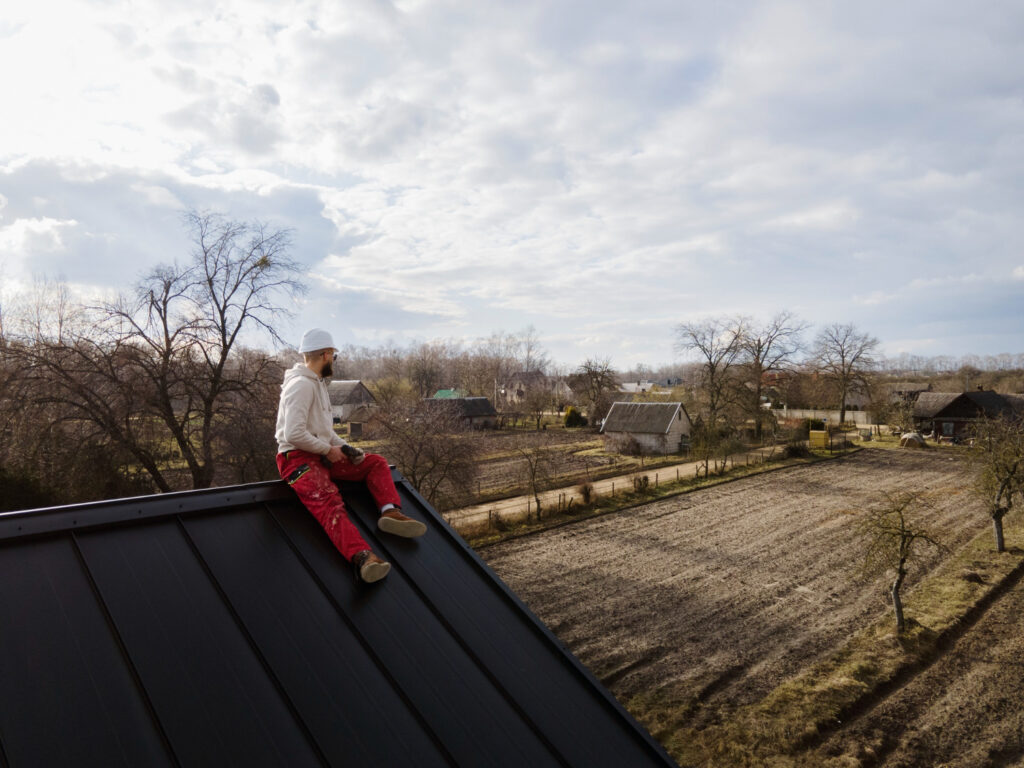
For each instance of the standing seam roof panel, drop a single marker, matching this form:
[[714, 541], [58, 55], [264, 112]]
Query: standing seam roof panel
[[221, 627]]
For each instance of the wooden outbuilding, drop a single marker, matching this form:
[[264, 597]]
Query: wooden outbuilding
[[654, 427]]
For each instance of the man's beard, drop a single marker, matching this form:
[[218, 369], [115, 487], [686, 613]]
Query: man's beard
[[327, 371]]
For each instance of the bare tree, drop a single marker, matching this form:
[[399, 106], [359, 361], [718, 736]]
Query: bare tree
[[426, 371], [594, 382], [392, 392], [430, 445], [537, 468], [248, 420], [845, 356], [998, 457], [161, 361], [769, 348], [892, 536], [530, 351], [718, 344], [537, 400]]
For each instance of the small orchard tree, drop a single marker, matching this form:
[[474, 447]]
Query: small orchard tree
[[893, 537], [536, 467], [537, 401], [998, 457]]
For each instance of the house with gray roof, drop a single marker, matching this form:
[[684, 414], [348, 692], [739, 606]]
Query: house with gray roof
[[655, 427], [351, 402]]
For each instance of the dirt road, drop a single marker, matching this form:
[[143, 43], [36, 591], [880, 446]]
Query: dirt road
[[722, 593], [471, 518]]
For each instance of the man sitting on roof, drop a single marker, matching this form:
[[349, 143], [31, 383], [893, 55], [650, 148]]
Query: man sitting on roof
[[311, 457]]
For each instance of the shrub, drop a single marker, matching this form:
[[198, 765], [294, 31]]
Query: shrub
[[795, 450], [573, 417], [641, 484], [586, 491]]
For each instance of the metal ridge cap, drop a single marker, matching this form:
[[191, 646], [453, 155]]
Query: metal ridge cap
[[73, 517]]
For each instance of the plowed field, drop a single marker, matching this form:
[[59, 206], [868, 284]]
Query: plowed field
[[722, 593]]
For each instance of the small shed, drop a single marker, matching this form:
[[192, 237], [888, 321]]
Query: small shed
[[351, 401], [656, 427]]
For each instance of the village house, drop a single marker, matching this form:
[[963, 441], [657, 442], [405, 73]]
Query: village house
[[477, 412], [351, 402], [521, 384], [637, 387], [950, 415], [654, 427]]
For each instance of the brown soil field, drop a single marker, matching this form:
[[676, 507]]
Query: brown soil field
[[502, 471], [716, 596], [572, 457]]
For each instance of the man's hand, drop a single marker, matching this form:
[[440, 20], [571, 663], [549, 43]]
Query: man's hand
[[334, 454], [355, 455]]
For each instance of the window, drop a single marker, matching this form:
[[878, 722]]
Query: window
[[947, 428]]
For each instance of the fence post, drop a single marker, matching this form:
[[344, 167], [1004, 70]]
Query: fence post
[[655, 479]]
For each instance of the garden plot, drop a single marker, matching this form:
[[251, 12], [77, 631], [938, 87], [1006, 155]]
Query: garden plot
[[720, 594]]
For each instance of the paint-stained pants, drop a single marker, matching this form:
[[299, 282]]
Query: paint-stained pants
[[314, 484]]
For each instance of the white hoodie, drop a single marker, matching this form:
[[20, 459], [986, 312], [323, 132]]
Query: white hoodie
[[304, 418]]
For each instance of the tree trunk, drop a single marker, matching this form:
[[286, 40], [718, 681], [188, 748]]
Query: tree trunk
[[997, 525], [897, 604]]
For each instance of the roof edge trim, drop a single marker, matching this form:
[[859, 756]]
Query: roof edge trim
[[35, 522]]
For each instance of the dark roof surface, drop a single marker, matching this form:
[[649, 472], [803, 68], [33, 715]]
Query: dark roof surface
[[350, 391], [928, 404], [221, 627], [641, 417], [469, 407], [972, 404]]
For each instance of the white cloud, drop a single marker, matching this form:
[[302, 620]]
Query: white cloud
[[157, 195], [539, 162], [24, 237], [830, 216]]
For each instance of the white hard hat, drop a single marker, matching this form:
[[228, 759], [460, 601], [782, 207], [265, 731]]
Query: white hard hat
[[315, 339]]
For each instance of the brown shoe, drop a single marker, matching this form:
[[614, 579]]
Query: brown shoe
[[393, 521], [369, 567]]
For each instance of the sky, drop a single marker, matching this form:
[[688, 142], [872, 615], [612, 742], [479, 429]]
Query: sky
[[601, 171]]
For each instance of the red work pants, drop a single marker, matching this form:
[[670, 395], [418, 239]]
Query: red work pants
[[314, 484]]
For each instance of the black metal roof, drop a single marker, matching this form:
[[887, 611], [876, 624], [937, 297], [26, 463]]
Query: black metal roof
[[221, 627]]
